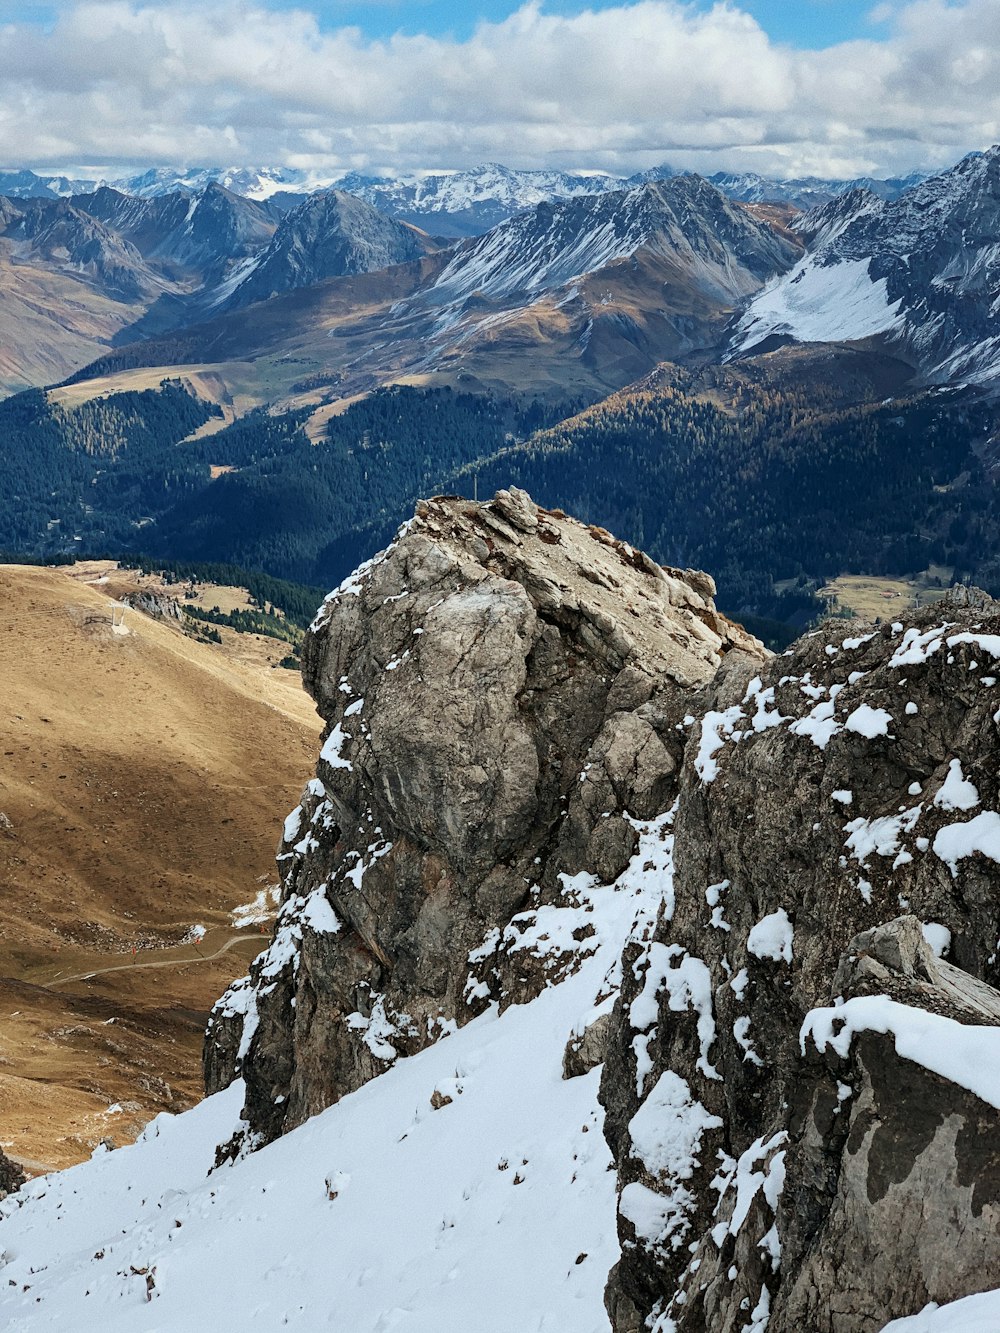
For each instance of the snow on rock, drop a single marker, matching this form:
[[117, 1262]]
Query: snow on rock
[[332, 746], [869, 722], [964, 1055], [292, 825], [666, 1134], [880, 836], [715, 727], [981, 835], [819, 724], [956, 792], [938, 937], [830, 827], [772, 938]]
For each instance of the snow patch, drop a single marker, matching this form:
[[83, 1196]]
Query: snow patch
[[772, 938]]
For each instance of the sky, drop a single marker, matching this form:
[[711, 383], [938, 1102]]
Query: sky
[[784, 87]]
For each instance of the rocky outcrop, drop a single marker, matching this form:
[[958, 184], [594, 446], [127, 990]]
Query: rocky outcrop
[[11, 1176], [801, 1142], [799, 1077], [505, 693]]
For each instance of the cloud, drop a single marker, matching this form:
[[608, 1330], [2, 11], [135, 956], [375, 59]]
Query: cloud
[[620, 88]]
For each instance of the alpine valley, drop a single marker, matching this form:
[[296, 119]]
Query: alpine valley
[[721, 377], [631, 961]]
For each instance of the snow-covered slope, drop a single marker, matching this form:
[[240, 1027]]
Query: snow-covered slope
[[923, 269], [469, 1186]]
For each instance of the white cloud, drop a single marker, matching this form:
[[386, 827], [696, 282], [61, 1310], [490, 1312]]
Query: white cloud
[[621, 88]]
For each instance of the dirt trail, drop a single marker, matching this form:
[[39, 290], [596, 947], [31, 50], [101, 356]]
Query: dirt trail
[[172, 961]]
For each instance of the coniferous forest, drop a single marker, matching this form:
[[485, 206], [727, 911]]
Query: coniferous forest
[[774, 492]]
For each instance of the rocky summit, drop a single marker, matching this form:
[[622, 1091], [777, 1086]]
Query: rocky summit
[[504, 691], [796, 1045]]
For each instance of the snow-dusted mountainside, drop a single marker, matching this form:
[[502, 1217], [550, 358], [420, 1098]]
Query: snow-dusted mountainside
[[23, 184], [806, 191], [725, 252], [65, 237], [328, 235], [210, 230], [257, 183], [923, 270]]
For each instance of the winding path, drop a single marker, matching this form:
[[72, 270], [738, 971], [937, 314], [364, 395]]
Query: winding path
[[134, 966]]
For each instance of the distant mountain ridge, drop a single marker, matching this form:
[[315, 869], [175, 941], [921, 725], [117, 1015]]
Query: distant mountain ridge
[[448, 203], [921, 272], [683, 218]]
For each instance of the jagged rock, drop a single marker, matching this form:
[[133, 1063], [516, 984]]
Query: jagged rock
[[504, 691], [587, 1050], [770, 1177], [11, 1176], [156, 605]]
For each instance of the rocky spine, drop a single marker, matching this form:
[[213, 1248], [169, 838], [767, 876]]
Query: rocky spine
[[505, 692]]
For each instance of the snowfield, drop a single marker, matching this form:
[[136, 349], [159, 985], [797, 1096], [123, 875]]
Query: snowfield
[[381, 1213], [820, 302], [495, 1212]]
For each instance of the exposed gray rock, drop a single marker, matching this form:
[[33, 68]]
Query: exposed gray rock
[[156, 605], [328, 235], [853, 779], [504, 691], [588, 1050], [11, 1176]]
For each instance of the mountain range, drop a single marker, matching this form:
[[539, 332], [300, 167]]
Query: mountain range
[[692, 310], [449, 203]]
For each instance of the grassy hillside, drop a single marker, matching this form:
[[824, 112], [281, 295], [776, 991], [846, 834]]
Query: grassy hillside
[[143, 783]]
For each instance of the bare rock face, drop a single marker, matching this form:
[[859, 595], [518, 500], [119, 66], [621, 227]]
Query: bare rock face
[[504, 691], [11, 1176], [794, 1151]]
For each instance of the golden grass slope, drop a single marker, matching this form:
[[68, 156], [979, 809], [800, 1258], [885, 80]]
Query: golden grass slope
[[143, 779]]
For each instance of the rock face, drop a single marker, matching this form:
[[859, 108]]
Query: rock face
[[11, 1176], [797, 1147], [505, 693], [517, 707], [330, 235]]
